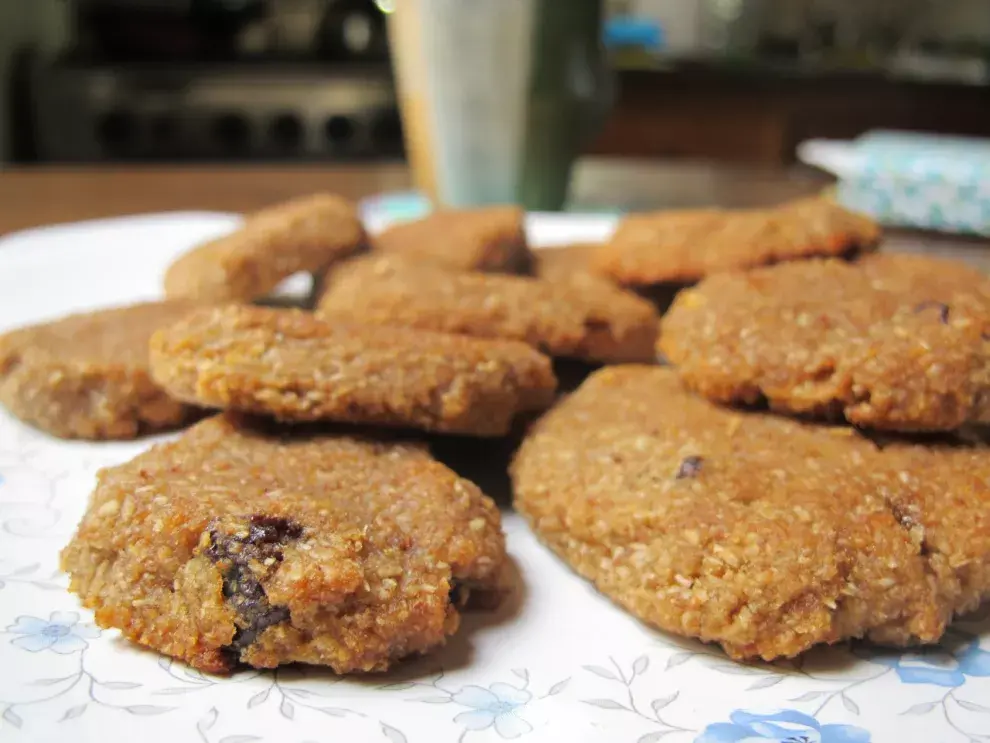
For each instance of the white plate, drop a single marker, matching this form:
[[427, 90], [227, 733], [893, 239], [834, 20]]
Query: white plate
[[560, 663]]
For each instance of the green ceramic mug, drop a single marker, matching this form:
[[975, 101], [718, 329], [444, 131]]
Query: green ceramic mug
[[498, 96]]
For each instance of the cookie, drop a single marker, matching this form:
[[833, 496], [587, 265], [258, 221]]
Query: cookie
[[296, 366], [570, 264], [566, 263], [86, 376], [306, 234], [489, 238], [235, 544], [593, 321], [893, 342], [763, 534], [574, 264], [685, 246]]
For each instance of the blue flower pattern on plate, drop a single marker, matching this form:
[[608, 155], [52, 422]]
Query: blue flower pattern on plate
[[945, 665], [497, 705], [786, 726], [60, 633]]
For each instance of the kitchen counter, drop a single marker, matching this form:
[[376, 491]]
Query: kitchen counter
[[39, 196], [36, 196]]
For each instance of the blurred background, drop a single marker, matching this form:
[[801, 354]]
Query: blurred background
[[738, 81]]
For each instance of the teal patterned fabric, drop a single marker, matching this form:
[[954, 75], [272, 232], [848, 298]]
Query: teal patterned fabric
[[928, 182], [402, 206]]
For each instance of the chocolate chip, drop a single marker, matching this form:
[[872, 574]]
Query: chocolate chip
[[243, 637], [690, 467], [458, 594], [908, 521], [943, 310], [266, 535], [235, 552], [273, 530], [904, 518]]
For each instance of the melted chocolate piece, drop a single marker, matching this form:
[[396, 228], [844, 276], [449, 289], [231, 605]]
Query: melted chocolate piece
[[943, 310], [234, 553], [458, 595], [690, 467]]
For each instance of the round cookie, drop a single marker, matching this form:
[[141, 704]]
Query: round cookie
[[570, 264], [573, 264], [490, 238], [86, 376], [567, 263], [305, 234], [236, 544], [684, 246], [589, 319], [763, 534], [296, 366], [894, 342]]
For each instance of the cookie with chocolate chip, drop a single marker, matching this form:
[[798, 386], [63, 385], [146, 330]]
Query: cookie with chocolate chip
[[896, 342], [243, 544], [764, 534]]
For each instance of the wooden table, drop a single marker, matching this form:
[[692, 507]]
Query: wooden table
[[38, 196]]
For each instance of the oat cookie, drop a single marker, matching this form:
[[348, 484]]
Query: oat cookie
[[237, 544], [570, 264], [489, 238], [296, 366], [685, 246], [306, 234], [567, 263], [86, 376], [764, 534], [573, 264], [895, 342], [593, 322]]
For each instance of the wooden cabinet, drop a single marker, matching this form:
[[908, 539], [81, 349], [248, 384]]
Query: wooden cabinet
[[747, 117]]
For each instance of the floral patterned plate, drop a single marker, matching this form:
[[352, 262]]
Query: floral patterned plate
[[557, 663]]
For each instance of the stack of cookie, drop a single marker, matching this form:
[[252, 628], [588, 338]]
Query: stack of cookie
[[308, 522], [857, 506], [338, 540]]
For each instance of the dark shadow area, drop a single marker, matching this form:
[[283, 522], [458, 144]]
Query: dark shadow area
[[661, 295], [485, 462], [571, 373], [969, 436]]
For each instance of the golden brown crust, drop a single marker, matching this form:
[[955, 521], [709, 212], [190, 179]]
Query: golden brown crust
[[896, 342], [760, 533], [86, 376], [483, 239], [296, 366], [591, 321], [685, 246], [233, 543], [306, 234], [567, 263]]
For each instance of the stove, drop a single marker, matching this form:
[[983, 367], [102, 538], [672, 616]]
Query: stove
[[286, 80]]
